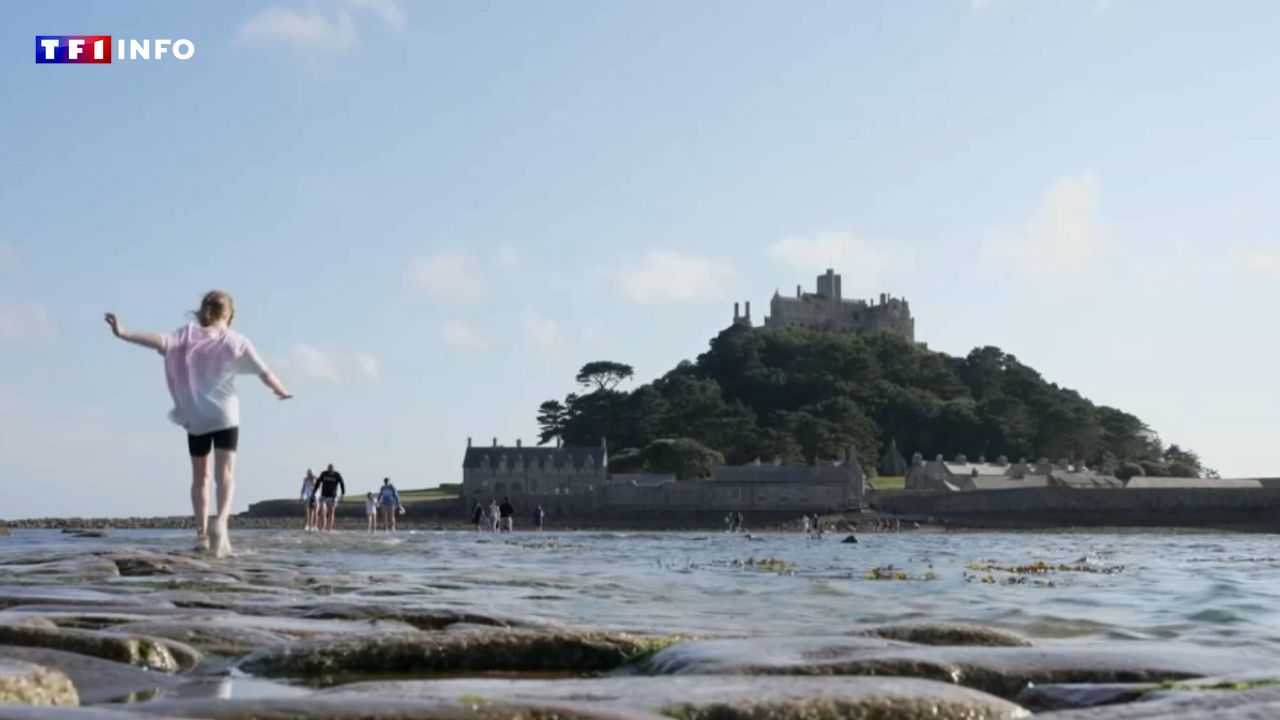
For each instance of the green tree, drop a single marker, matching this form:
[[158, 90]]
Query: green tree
[[685, 458], [552, 415], [604, 374]]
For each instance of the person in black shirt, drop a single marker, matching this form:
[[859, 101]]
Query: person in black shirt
[[506, 513], [476, 515], [331, 489]]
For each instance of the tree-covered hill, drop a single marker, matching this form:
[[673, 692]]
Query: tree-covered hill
[[802, 395]]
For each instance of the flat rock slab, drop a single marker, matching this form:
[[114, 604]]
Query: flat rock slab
[[948, 634], [15, 712], [423, 618], [499, 650], [722, 698], [95, 680], [11, 595], [153, 653], [1261, 703], [371, 708], [1004, 671], [23, 683]]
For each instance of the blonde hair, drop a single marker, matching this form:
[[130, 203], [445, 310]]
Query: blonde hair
[[215, 306]]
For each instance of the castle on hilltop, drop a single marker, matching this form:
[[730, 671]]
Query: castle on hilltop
[[827, 309]]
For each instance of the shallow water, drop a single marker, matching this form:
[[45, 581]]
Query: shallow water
[[1200, 588]]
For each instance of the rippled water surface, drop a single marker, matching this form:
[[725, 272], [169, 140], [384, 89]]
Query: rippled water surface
[[1202, 588]]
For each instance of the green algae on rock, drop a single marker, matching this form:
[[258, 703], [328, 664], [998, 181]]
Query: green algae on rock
[[497, 650], [23, 683]]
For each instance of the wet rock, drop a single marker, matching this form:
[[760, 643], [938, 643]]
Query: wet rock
[[11, 595], [207, 637], [948, 634], [421, 618], [153, 653], [366, 708], [850, 540], [1261, 703], [723, 697], [1039, 698], [23, 683], [18, 712], [95, 680], [1003, 671], [422, 652], [83, 568]]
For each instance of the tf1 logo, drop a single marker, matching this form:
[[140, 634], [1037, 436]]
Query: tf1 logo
[[97, 49]]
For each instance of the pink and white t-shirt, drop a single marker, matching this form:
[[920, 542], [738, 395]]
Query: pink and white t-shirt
[[200, 365]]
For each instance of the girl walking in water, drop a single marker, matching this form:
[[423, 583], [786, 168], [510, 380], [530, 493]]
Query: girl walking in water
[[201, 361]]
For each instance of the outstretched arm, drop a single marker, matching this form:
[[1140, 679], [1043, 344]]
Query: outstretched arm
[[270, 380], [147, 340]]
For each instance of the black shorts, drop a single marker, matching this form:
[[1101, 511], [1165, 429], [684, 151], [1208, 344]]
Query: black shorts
[[199, 445]]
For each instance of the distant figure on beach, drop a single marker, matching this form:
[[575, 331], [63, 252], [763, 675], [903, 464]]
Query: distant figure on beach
[[738, 522], [539, 517], [506, 515], [477, 515], [308, 502], [201, 361], [389, 502], [371, 511], [331, 490], [806, 525], [494, 515]]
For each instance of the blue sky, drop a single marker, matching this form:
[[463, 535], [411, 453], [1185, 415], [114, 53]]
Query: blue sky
[[431, 213]]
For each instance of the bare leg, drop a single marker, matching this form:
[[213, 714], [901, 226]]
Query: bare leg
[[200, 500], [224, 473]]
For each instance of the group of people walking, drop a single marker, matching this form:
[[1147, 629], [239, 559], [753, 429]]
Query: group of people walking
[[320, 497], [496, 517]]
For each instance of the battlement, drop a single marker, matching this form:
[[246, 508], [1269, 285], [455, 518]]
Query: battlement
[[828, 309]]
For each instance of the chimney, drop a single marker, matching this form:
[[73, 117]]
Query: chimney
[[798, 291], [495, 442], [468, 442], [748, 315], [519, 442], [883, 298], [735, 311]]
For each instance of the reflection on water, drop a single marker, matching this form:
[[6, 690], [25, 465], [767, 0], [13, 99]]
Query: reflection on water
[[1202, 588]]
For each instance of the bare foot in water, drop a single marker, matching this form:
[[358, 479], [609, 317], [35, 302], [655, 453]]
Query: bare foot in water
[[220, 541], [202, 543]]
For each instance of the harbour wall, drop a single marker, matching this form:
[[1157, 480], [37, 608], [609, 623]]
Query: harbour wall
[[1254, 509]]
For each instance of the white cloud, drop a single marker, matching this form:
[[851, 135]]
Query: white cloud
[[860, 260], [459, 335], [542, 332], [313, 363], [302, 29], [1065, 234], [314, 29], [508, 256], [368, 366], [26, 322], [447, 275], [665, 275], [1256, 261]]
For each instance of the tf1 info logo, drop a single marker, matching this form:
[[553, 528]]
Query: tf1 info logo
[[97, 49]]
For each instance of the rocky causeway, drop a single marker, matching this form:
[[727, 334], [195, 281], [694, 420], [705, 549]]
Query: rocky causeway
[[709, 626]]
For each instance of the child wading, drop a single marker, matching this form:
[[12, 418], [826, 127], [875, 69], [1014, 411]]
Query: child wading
[[201, 361]]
